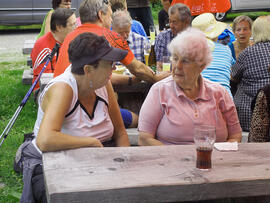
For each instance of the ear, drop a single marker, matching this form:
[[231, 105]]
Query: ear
[[202, 67], [100, 16], [58, 28], [88, 69]]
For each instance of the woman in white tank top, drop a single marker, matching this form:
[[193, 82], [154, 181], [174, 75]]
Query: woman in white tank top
[[78, 108]]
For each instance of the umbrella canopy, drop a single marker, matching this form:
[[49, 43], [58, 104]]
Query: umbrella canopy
[[198, 7]]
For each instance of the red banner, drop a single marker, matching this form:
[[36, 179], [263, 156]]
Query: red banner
[[198, 7]]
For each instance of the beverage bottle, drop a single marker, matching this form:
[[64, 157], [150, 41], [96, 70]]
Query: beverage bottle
[[152, 62]]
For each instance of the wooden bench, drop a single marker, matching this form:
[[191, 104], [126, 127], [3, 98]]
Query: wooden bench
[[28, 46], [44, 80], [156, 174], [29, 61], [27, 77]]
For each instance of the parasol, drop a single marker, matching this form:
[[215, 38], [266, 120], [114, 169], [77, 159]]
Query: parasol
[[198, 7]]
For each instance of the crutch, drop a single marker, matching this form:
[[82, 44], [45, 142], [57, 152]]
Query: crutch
[[26, 97]]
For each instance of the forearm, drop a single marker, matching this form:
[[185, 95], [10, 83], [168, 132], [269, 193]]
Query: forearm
[[141, 71], [56, 141], [120, 79], [146, 139], [120, 135]]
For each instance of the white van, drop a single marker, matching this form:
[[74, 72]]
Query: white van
[[25, 12], [245, 5]]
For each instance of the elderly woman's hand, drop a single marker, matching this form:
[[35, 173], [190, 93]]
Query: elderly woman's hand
[[237, 137]]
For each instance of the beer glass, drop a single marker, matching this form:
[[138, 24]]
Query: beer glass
[[152, 31], [147, 49], [166, 63], [204, 138]]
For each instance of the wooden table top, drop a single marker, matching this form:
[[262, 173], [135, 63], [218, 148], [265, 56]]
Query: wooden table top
[[155, 174]]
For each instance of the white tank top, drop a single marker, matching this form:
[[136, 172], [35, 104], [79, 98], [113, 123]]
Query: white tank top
[[77, 121]]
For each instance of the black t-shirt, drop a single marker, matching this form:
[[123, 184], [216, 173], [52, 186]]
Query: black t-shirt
[[163, 20]]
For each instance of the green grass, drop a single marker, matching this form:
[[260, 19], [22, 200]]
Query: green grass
[[20, 27], [12, 91]]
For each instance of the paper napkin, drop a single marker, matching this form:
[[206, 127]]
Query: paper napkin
[[226, 146]]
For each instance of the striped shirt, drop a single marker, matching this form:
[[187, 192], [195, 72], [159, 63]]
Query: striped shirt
[[220, 68]]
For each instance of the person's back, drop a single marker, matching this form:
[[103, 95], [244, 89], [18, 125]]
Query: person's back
[[220, 68]]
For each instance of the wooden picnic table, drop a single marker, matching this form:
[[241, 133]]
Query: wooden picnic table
[[156, 174]]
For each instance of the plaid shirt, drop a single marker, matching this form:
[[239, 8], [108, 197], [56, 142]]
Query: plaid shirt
[[251, 70], [136, 43], [162, 41]]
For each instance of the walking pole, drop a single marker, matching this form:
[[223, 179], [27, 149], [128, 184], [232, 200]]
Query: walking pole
[[26, 97]]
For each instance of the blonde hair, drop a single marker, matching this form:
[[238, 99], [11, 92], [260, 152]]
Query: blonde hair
[[261, 29], [192, 43]]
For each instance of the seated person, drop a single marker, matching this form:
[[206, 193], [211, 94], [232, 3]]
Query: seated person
[[179, 19], [99, 23], [260, 120], [63, 21], [77, 109], [136, 26], [242, 29], [175, 105], [163, 17], [121, 23], [250, 71], [46, 22], [220, 68]]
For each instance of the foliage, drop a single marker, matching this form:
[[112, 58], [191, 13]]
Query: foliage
[[12, 91]]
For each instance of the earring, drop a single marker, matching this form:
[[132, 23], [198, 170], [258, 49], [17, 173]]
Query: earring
[[91, 84]]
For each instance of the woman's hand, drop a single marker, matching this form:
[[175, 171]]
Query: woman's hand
[[237, 137]]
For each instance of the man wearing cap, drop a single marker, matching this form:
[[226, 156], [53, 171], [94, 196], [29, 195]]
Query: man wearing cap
[[95, 16], [220, 68], [179, 20]]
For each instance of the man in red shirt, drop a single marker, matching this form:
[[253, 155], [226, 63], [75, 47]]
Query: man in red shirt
[[95, 16], [63, 21]]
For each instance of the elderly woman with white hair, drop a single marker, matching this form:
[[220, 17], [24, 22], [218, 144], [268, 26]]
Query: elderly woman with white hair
[[175, 105], [251, 70]]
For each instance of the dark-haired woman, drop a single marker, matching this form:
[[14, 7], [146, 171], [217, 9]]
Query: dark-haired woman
[[46, 22], [76, 109]]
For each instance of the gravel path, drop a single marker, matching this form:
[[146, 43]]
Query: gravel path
[[11, 44]]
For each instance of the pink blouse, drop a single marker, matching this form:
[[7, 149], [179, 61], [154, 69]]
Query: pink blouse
[[171, 116]]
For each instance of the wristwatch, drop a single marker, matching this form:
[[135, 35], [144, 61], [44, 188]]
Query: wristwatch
[[130, 80]]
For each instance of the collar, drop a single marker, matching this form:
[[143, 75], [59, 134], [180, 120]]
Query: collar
[[204, 93], [129, 40], [89, 25]]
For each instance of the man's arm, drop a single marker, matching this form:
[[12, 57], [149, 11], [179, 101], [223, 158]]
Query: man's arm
[[145, 73]]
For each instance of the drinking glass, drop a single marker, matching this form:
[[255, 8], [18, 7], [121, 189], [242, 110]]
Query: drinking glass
[[204, 138], [166, 63], [147, 49], [152, 31]]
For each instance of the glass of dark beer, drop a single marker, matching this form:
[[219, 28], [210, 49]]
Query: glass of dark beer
[[204, 138]]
